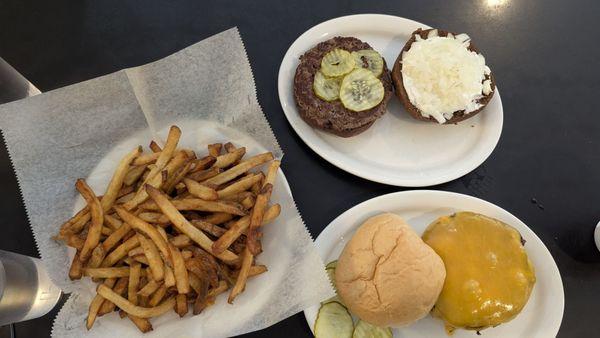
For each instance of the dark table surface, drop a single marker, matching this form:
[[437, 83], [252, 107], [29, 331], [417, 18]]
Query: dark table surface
[[543, 53]]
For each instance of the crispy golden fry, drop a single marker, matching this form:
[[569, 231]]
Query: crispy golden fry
[[202, 176], [106, 231], [179, 270], [117, 179], [199, 190], [126, 198], [238, 228], [218, 218], [248, 202], [169, 277], [154, 217], [154, 260], [95, 229], [242, 185], [136, 251], [97, 303], [255, 270], [240, 283], [181, 241], [203, 163], [166, 154], [146, 229], [134, 174], [142, 324], [149, 288], [170, 185], [140, 259], [146, 159], [106, 272], [218, 290], [120, 252], [241, 168], [140, 196], [209, 228], [97, 257], [115, 237], [256, 219], [135, 310], [158, 295], [238, 197], [108, 306], [214, 149], [229, 147], [75, 224], [197, 204], [125, 190], [75, 241], [224, 161], [154, 147], [184, 225], [181, 306], [134, 282], [112, 222], [203, 269], [272, 173], [76, 270]]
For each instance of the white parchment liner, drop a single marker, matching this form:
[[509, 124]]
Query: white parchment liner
[[82, 130]]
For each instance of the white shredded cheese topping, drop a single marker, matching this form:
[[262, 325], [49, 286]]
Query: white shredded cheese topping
[[441, 76]]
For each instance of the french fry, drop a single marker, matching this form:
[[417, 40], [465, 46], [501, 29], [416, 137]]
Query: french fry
[[169, 277], [256, 219], [242, 185], [214, 149], [218, 218], [96, 257], [106, 231], [112, 222], [185, 226], [165, 155], [149, 288], [117, 179], [186, 254], [134, 174], [197, 204], [241, 168], [154, 260], [201, 268], [95, 229], [229, 147], [248, 202], [154, 217], [108, 306], [140, 259], [199, 190], [181, 306], [181, 241], [125, 190], [209, 228], [120, 252], [169, 186], [75, 241], [238, 228], [224, 161], [203, 163], [201, 176], [106, 272], [240, 283], [155, 147], [158, 295], [135, 310], [272, 173], [97, 303], [115, 237], [140, 196], [134, 282], [179, 270], [142, 324], [146, 229], [80, 218], [136, 251], [212, 293], [76, 270], [146, 159]]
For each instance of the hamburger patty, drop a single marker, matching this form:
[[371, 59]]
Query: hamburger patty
[[333, 116]]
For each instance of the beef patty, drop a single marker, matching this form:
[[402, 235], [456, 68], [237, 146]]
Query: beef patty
[[333, 116]]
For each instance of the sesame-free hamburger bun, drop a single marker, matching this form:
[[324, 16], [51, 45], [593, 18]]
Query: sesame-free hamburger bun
[[387, 275]]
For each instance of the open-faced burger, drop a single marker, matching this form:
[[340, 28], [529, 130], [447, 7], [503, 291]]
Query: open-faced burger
[[342, 86], [441, 77]]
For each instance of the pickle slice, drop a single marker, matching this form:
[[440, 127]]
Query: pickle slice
[[326, 88], [333, 321], [369, 59], [337, 63], [361, 90], [366, 330]]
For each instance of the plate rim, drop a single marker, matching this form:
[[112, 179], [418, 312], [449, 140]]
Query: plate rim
[[339, 161], [329, 229]]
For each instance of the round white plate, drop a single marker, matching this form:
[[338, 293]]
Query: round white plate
[[397, 149], [543, 313]]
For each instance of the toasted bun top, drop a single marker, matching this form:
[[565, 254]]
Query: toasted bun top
[[387, 275]]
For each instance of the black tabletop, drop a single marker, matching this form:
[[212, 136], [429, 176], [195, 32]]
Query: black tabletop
[[544, 56]]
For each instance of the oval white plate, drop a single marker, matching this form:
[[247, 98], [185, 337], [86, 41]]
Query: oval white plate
[[397, 149], [543, 313]]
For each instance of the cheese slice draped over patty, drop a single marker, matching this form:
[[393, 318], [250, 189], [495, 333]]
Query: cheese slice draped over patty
[[442, 76]]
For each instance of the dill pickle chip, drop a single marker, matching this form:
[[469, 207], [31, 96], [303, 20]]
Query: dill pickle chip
[[366, 330], [368, 59], [337, 62], [361, 90], [326, 88]]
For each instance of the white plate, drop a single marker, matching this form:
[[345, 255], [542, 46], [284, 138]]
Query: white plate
[[397, 149], [543, 313]]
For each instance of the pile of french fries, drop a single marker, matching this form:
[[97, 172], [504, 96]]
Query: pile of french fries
[[172, 229]]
